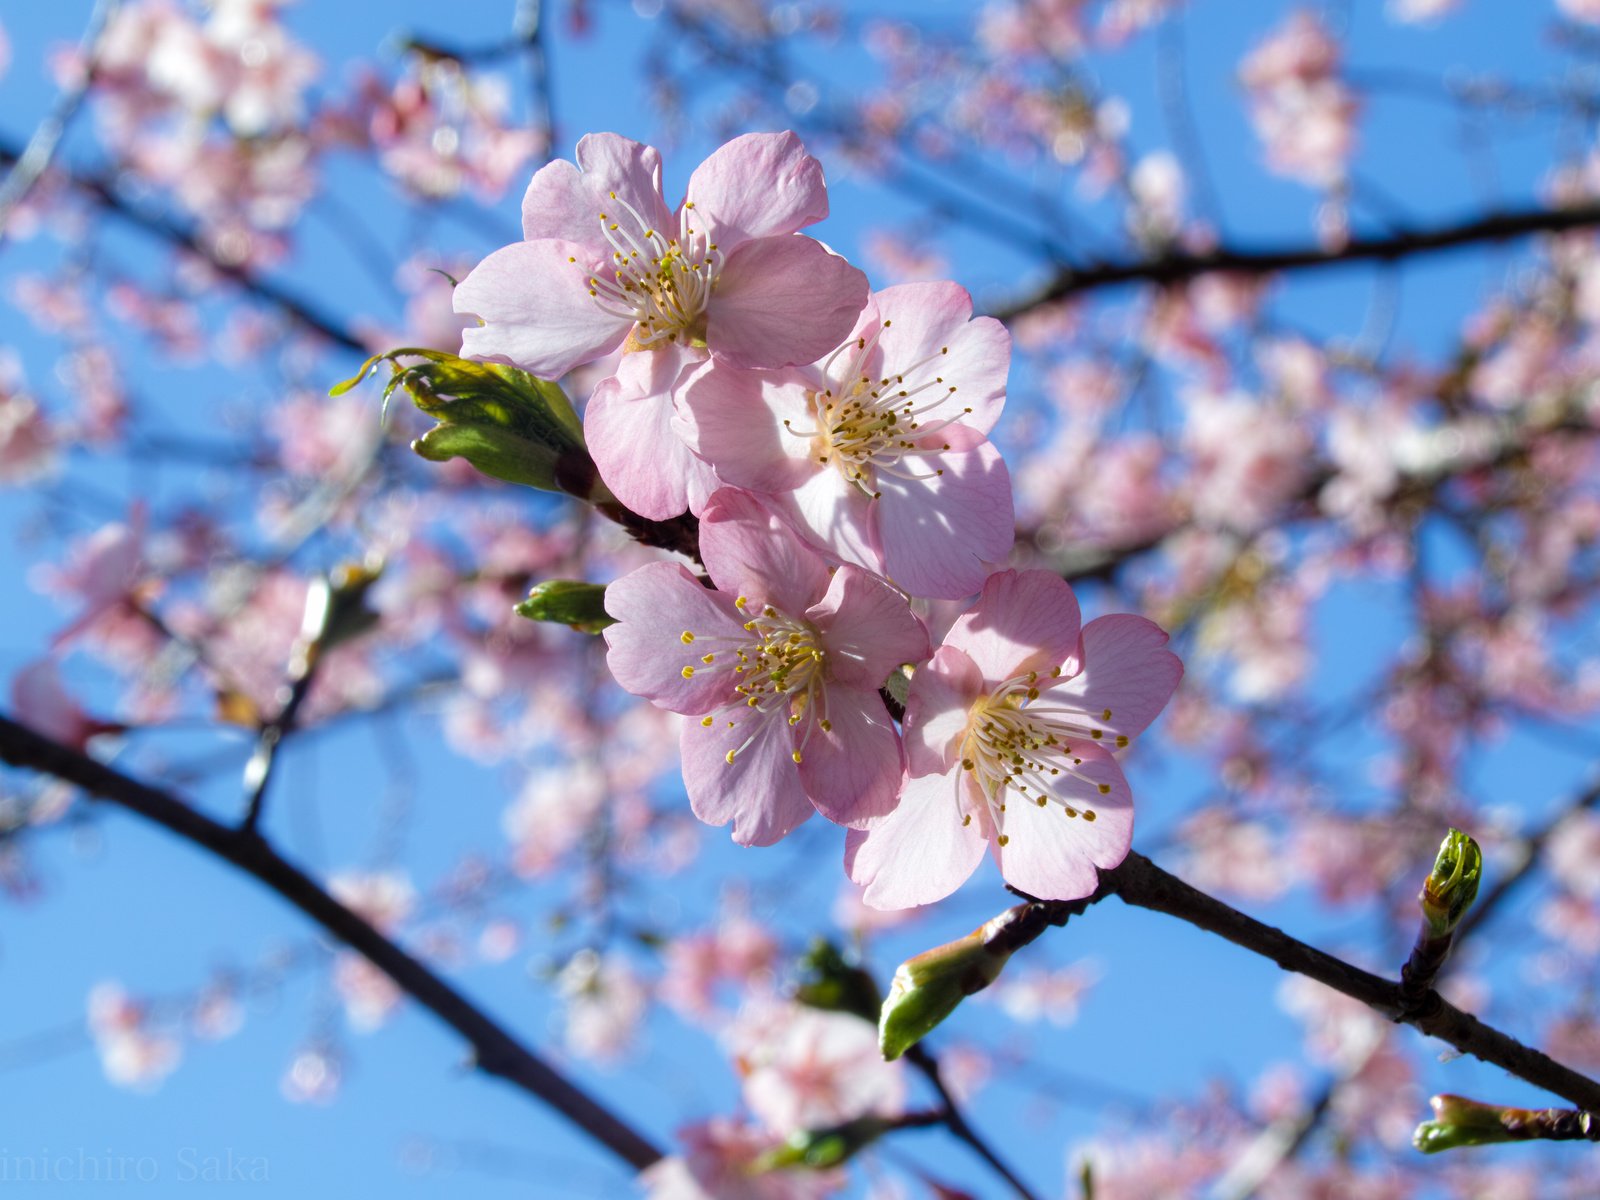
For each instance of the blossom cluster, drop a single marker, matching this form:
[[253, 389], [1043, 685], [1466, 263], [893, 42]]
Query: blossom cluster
[[834, 445]]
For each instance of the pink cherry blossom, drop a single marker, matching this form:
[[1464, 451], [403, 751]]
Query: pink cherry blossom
[[629, 426], [877, 453], [718, 1164], [604, 261], [1301, 109], [40, 699], [28, 439], [781, 665], [807, 1069], [132, 1053], [1007, 730]]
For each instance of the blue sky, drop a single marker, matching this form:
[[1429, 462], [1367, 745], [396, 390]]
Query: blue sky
[[126, 902]]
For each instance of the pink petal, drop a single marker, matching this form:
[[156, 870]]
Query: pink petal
[[931, 322], [655, 606], [748, 551], [781, 301], [1053, 856], [853, 771], [919, 853], [564, 201], [941, 534], [628, 425], [536, 309], [868, 629], [760, 790], [937, 708], [758, 185], [1024, 621], [41, 700], [734, 420], [1127, 670], [836, 516]]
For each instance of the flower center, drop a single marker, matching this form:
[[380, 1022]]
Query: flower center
[[1016, 742], [779, 669], [865, 426], [661, 284]]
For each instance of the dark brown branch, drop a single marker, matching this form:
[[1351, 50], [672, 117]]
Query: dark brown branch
[[104, 191], [1141, 883], [1388, 248], [955, 1121], [495, 1051]]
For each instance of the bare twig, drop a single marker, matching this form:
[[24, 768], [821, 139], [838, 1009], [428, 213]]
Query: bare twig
[[104, 191], [35, 159], [954, 1120], [1392, 247]]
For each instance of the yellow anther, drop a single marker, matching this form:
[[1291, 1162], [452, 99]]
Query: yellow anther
[[708, 659], [686, 637], [728, 757], [688, 672], [1089, 815], [1003, 840], [707, 722], [1105, 789], [1122, 740], [795, 756]]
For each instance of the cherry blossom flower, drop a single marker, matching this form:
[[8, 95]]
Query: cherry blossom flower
[[782, 665], [878, 453], [1301, 109], [132, 1053], [1007, 729], [718, 1163], [28, 440], [40, 699], [604, 1001], [807, 1069], [604, 261]]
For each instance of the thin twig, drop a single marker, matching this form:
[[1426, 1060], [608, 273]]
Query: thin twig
[[104, 191], [953, 1119], [1141, 883], [1392, 247], [28, 167]]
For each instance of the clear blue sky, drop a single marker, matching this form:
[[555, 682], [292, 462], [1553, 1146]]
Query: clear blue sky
[[127, 902]]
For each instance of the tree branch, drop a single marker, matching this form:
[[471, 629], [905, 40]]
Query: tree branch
[[952, 1118], [1178, 268], [1141, 883], [495, 1050], [104, 191]]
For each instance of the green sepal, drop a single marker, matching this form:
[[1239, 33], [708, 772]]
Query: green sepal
[[570, 602], [507, 423]]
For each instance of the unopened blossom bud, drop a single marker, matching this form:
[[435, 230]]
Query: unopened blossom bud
[[834, 984], [504, 421], [569, 601], [1458, 1121], [926, 989], [336, 605], [819, 1149], [1452, 885]]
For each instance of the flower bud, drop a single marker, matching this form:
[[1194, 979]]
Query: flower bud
[[926, 989], [1458, 1121], [569, 601], [504, 421], [834, 984], [1452, 885], [819, 1149]]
